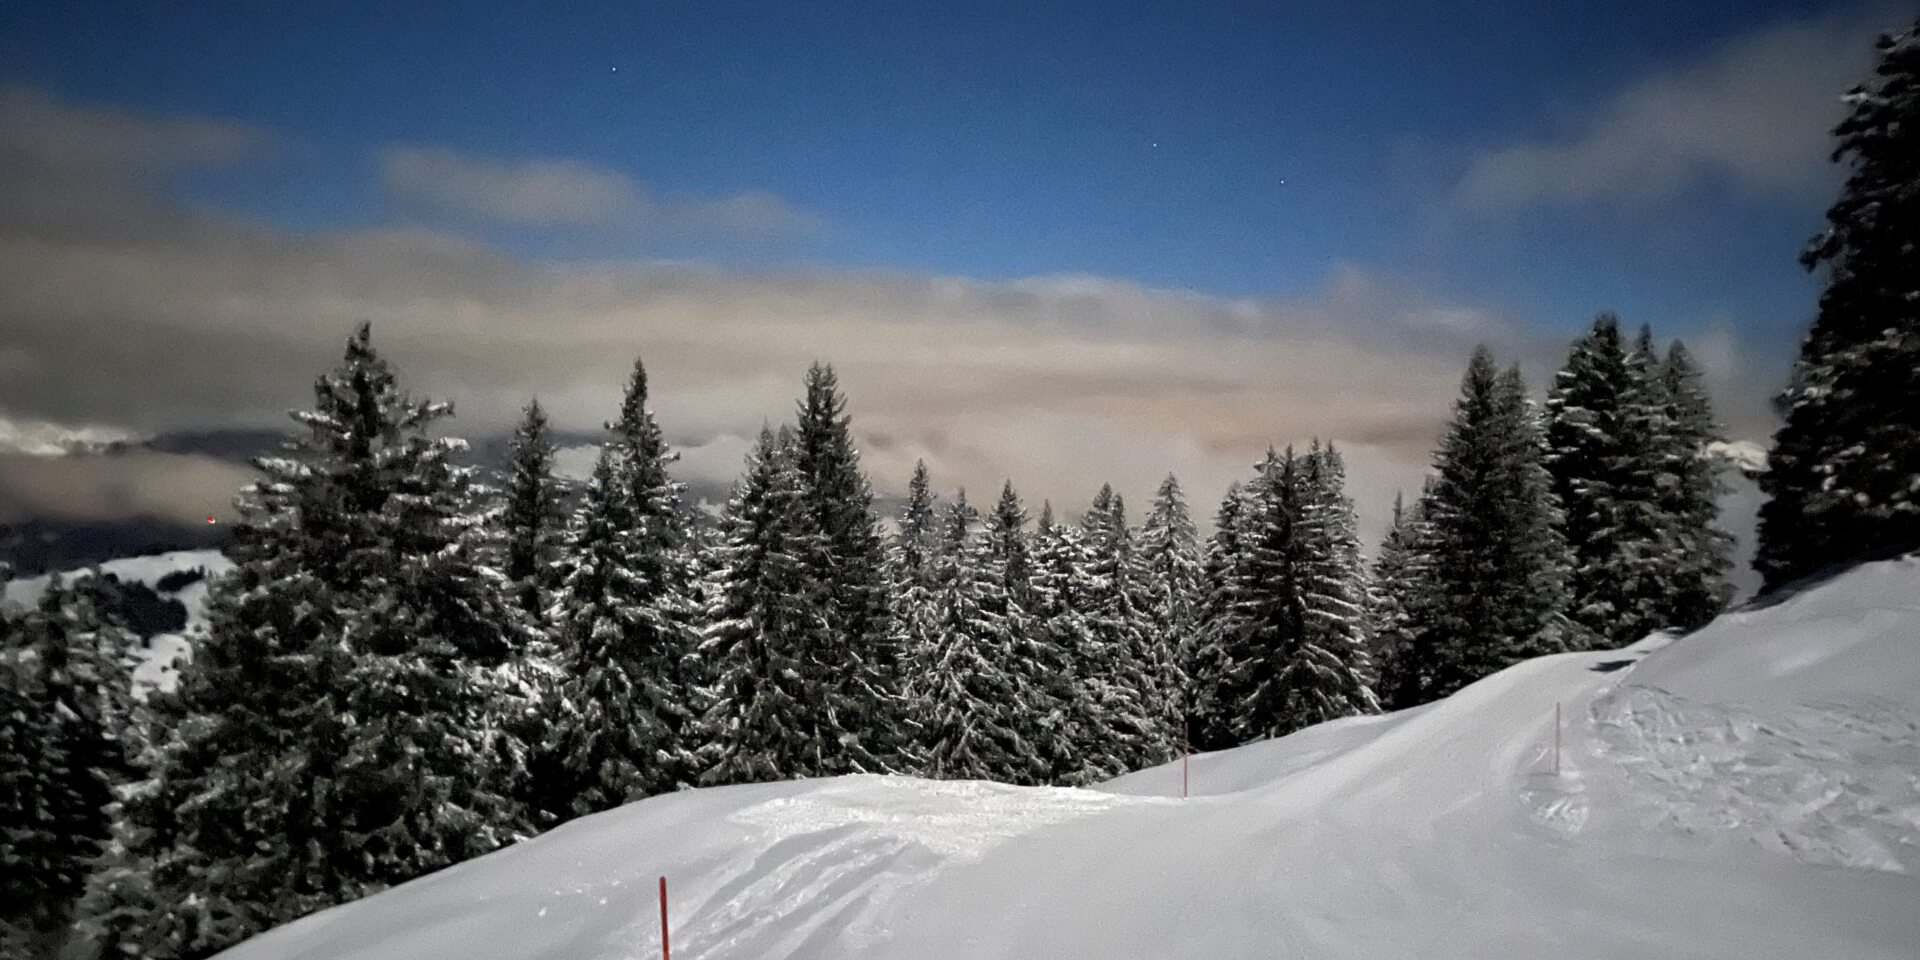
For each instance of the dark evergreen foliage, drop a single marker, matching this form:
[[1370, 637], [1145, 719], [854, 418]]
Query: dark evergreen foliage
[[1496, 588], [330, 735], [1844, 472]]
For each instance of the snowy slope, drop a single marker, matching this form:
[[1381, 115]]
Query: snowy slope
[[1749, 791], [162, 654]]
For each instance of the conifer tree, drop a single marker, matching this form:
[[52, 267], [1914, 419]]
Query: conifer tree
[[1169, 552], [914, 561], [851, 567], [769, 629], [1605, 433], [624, 711], [1218, 689], [917, 540], [1401, 572], [1844, 472], [1694, 572], [1132, 705], [1074, 745], [1496, 587], [1329, 673], [70, 739], [966, 684], [533, 517], [331, 737]]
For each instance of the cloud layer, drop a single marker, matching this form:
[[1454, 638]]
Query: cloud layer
[[1756, 111], [119, 306], [553, 192]]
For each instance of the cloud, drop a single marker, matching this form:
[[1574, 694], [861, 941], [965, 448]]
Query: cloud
[[183, 319], [1756, 111], [554, 192], [38, 438], [38, 131], [181, 489]]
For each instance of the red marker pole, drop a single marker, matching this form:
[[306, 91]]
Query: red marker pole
[[666, 952]]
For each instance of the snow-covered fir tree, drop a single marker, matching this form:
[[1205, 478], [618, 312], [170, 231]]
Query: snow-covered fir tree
[[1395, 616], [1218, 689], [1299, 655], [331, 734], [1169, 553], [1843, 477], [1496, 584], [621, 725], [1074, 744], [1694, 572], [768, 633], [917, 540], [1330, 673], [1605, 436], [67, 722], [967, 685], [532, 515], [1135, 722], [912, 561], [864, 693]]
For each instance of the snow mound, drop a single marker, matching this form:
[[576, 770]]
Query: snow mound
[[1747, 791]]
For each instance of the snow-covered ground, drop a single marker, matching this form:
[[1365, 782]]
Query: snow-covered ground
[[1751, 791], [161, 655]]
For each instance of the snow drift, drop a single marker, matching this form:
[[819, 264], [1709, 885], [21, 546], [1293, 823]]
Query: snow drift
[[1752, 791]]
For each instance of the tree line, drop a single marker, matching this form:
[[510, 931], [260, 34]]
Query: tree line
[[407, 668]]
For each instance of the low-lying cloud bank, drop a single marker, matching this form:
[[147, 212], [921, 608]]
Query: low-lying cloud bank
[[119, 306]]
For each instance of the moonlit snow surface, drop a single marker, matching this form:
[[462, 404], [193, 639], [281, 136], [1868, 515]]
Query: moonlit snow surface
[[1748, 791]]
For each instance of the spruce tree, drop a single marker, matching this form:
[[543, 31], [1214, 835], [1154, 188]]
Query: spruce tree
[[851, 567], [622, 718], [917, 540], [1694, 572], [1218, 690], [1496, 588], [1401, 572], [1330, 672], [533, 517], [1605, 428], [1134, 717], [913, 561], [967, 685], [69, 740], [769, 630], [1075, 744], [1169, 552], [1844, 472], [331, 734]]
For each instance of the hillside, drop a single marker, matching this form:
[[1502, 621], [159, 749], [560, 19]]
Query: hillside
[[161, 654], [1745, 792]]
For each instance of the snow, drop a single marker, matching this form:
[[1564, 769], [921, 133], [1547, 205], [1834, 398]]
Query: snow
[[1748, 791], [160, 657]]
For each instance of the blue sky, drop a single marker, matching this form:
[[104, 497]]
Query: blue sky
[[1062, 242], [992, 140]]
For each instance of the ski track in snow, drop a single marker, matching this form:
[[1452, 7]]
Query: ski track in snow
[[1831, 784]]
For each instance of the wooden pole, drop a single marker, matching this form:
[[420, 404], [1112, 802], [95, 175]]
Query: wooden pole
[[1556, 738], [1186, 749], [666, 952]]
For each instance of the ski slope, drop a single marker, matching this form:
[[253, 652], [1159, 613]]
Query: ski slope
[[160, 656], [1751, 791]]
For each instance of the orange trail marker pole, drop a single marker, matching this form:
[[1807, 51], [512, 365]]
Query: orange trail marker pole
[[1556, 739], [666, 952]]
